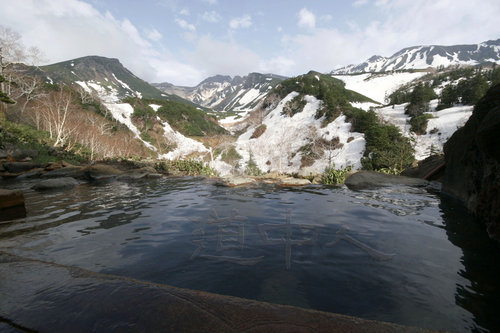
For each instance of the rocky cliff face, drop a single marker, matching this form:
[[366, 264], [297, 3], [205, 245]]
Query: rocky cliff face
[[473, 162]]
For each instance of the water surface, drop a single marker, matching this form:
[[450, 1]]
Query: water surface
[[396, 254]]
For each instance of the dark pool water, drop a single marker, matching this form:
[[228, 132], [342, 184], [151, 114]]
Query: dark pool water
[[397, 254]]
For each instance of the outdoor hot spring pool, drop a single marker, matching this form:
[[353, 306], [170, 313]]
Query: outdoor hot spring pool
[[398, 254]]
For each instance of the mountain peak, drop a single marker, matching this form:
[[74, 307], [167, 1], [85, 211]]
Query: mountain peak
[[425, 56]]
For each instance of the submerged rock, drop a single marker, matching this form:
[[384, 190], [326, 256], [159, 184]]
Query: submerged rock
[[55, 183], [11, 204], [472, 157], [371, 179]]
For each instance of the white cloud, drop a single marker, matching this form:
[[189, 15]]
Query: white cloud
[[219, 57], [241, 22], [184, 11], [212, 2], [211, 16], [68, 29], [359, 3], [306, 19], [153, 34], [184, 25]]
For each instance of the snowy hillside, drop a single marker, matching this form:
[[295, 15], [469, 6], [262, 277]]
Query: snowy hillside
[[279, 146], [422, 57], [223, 93], [377, 86], [122, 112], [439, 128]]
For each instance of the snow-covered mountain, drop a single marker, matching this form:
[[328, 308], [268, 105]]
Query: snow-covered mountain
[[223, 93], [434, 56], [107, 77]]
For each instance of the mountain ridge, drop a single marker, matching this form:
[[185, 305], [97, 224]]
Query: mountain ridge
[[224, 93], [422, 57]]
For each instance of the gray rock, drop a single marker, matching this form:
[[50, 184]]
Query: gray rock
[[72, 171], [472, 155], [232, 181], [35, 173], [293, 182], [154, 175], [308, 172], [3, 154], [23, 153], [18, 167], [55, 183], [102, 171], [370, 179]]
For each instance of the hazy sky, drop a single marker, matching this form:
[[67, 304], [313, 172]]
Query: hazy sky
[[183, 42]]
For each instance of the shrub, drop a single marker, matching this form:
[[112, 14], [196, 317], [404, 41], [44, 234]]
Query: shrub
[[331, 176], [258, 131], [252, 169], [419, 123]]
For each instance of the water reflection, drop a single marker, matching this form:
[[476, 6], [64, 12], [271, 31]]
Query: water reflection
[[480, 293], [393, 254]]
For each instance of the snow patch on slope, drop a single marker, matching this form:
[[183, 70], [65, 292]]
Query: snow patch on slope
[[443, 125], [277, 149], [377, 86], [185, 146]]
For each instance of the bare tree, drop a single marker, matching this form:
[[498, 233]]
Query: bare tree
[[56, 108], [11, 51]]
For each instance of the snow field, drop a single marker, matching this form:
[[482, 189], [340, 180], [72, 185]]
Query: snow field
[[284, 135], [377, 86]]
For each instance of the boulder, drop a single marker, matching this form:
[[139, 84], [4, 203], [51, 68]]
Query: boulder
[[308, 172], [55, 183], [74, 172], [102, 171], [35, 173], [18, 167], [371, 179], [3, 154], [431, 168], [472, 157], [232, 181], [20, 154], [289, 181], [11, 198]]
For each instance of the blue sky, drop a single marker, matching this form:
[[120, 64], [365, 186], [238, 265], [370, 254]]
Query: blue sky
[[183, 42]]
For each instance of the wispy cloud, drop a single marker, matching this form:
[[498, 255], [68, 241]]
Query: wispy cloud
[[153, 34], [185, 25], [211, 16], [306, 19], [244, 21]]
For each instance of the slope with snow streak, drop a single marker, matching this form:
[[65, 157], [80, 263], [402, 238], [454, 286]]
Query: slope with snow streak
[[439, 129], [377, 86], [277, 149]]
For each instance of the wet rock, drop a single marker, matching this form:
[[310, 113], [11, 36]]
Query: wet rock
[[55, 183], [154, 175], [472, 157], [233, 181], [370, 179], [35, 173], [74, 172], [289, 181], [18, 167], [11, 198]]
